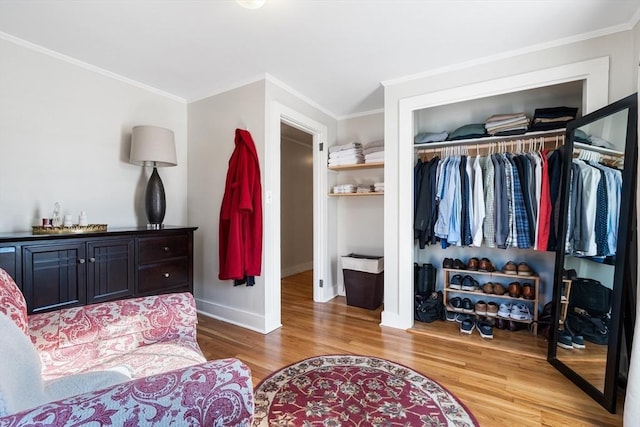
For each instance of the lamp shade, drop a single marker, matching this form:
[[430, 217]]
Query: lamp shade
[[153, 144]]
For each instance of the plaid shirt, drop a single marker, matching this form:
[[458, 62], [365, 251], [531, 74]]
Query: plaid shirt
[[513, 235], [489, 203], [521, 239]]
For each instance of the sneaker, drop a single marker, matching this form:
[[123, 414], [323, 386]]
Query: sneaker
[[505, 310], [487, 288], [469, 284], [461, 317], [467, 305], [456, 302], [451, 316], [456, 282], [481, 308], [485, 329], [524, 269], [492, 309], [564, 340], [467, 326], [520, 312], [498, 289], [510, 268], [577, 341]]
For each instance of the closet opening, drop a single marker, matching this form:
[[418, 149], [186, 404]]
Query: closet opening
[[296, 211]]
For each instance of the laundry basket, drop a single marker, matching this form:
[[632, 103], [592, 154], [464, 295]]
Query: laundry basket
[[363, 280]]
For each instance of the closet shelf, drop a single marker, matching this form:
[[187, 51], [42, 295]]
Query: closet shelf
[[356, 194], [357, 166]]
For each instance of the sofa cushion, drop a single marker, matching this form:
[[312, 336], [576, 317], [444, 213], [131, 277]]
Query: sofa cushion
[[73, 385], [12, 302], [21, 385]]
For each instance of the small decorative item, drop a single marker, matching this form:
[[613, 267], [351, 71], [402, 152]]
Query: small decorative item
[[68, 221], [56, 220], [82, 219]]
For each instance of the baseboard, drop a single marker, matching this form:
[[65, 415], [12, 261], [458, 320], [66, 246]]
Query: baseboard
[[295, 269], [232, 315]]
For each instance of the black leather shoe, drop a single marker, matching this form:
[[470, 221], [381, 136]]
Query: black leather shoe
[[459, 265], [447, 263]]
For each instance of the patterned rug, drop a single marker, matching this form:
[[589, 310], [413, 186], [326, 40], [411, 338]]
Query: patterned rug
[[347, 390]]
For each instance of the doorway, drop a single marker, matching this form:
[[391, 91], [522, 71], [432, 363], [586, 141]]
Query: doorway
[[296, 201]]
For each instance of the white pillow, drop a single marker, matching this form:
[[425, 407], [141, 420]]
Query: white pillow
[[21, 385], [72, 385]]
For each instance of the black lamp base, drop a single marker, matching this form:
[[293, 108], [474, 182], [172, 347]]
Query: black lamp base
[[154, 201]]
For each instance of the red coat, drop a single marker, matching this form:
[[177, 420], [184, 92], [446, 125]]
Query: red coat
[[241, 213]]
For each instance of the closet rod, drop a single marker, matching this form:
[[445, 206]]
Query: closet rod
[[549, 142]]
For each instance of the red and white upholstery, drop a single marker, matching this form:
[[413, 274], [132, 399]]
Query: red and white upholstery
[[153, 339]]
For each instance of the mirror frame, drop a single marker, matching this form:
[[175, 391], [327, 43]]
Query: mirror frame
[[606, 398]]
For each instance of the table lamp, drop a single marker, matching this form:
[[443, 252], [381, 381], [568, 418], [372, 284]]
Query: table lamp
[[153, 146]]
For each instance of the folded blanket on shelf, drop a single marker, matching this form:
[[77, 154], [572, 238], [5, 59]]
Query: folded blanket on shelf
[[346, 153], [346, 161], [345, 146], [372, 150], [379, 143], [374, 157], [427, 137]]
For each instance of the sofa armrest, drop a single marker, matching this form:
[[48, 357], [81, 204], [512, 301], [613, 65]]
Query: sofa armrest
[[153, 318], [216, 393]]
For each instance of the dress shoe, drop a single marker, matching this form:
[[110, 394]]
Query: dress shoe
[[447, 263], [515, 289], [487, 288], [472, 264], [510, 268], [524, 269], [498, 289], [528, 292], [459, 265], [486, 265]]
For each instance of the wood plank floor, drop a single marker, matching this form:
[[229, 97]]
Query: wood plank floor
[[501, 385]]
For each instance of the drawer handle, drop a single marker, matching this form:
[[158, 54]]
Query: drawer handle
[[81, 260], [166, 248], [92, 259], [166, 275]]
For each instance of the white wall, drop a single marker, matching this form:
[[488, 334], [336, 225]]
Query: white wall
[[360, 226], [212, 125], [65, 134]]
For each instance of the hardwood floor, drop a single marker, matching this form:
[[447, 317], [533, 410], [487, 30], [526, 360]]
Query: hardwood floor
[[502, 385]]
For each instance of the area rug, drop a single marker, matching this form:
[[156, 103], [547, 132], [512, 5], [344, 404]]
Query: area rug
[[347, 390]]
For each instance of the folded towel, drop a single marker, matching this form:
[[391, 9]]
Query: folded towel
[[379, 143], [346, 161], [345, 146], [377, 156], [346, 153], [372, 150]]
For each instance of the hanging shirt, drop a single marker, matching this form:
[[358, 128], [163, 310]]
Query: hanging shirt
[[478, 203], [489, 203]]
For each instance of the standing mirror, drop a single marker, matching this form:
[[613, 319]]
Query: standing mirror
[[597, 199]]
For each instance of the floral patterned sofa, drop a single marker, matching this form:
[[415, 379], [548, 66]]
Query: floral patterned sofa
[[129, 362]]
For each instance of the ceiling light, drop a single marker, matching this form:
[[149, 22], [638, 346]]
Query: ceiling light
[[251, 4]]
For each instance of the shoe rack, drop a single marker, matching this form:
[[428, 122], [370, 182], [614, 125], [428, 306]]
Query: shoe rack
[[496, 276], [564, 299]]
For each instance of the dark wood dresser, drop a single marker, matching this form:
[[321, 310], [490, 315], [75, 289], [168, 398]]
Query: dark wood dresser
[[65, 270]]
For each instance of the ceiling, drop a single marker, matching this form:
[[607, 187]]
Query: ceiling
[[335, 53]]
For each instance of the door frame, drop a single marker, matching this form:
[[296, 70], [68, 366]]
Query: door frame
[[323, 290]]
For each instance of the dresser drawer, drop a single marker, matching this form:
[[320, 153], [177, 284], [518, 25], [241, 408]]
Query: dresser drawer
[[158, 249], [163, 276]]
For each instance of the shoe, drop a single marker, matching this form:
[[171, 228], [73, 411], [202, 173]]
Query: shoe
[[505, 310], [447, 263], [510, 268], [481, 308], [492, 309], [524, 269], [528, 292], [502, 323], [520, 312], [469, 284], [459, 265], [577, 341], [486, 266], [472, 264], [515, 289], [487, 288], [456, 302], [467, 326], [485, 329], [461, 317], [498, 289], [564, 340], [467, 305], [451, 316], [456, 282], [516, 326]]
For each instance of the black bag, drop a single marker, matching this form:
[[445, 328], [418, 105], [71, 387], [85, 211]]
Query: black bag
[[590, 295], [594, 329], [429, 307], [424, 279], [544, 320]]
